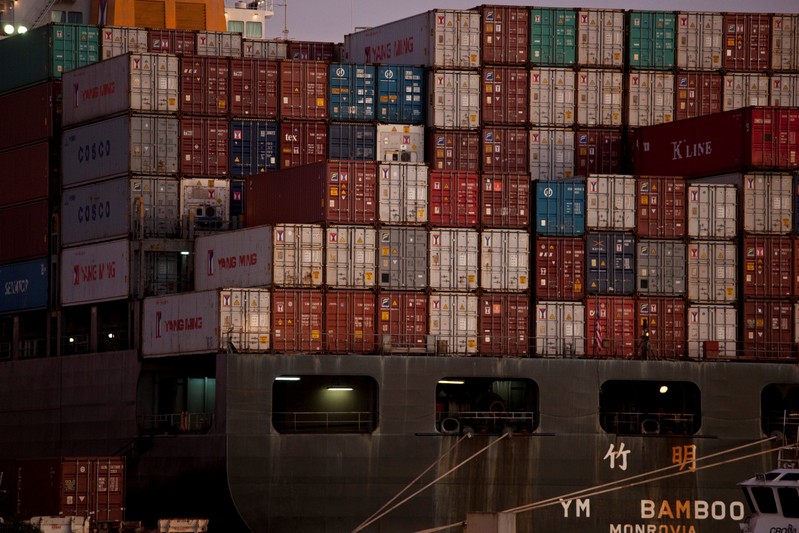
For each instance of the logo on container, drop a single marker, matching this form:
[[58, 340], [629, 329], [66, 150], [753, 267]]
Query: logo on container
[[158, 324], [210, 262]]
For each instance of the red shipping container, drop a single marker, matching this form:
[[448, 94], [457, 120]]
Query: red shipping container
[[302, 143], [341, 192], [505, 150], [505, 95], [297, 316], [505, 200], [30, 115], [747, 42], [664, 319], [505, 33], [768, 329], [402, 319], [698, 94], [661, 211], [768, 267], [453, 198], [204, 85], [26, 174], [453, 150], [204, 146], [559, 268], [598, 151], [504, 324], [752, 138], [303, 89], [179, 42], [350, 322], [310, 50], [610, 327], [253, 87], [26, 231]]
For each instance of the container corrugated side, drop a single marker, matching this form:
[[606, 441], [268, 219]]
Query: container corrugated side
[[298, 255], [505, 150], [712, 272], [600, 97], [402, 143], [349, 319], [453, 150], [302, 142], [652, 36], [30, 236], [767, 329], [351, 141], [661, 207], [767, 269], [650, 98], [218, 43], [454, 198], [505, 97], [505, 200], [560, 329], [610, 263], [403, 259], [25, 286], [699, 40], [559, 268], [254, 147], [552, 96], [253, 87], [204, 146], [560, 207], [402, 321], [505, 32], [552, 153], [712, 211], [598, 151], [712, 331], [401, 94], [553, 36], [237, 258], [179, 42], [600, 37], [744, 90], [402, 193], [303, 90], [453, 322], [350, 257], [747, 41], [120, 40], [310, 50], [610, 330], [260, 48], [454, 99], [610, 202], [784, 42], [96, 272], [454, 259], [663, 321], [297, 320], [352, 92], [93, 487], [784, 90], [35, 110], [504, 260], [504, 324], [697, 94], [660, 267], [28, 173]]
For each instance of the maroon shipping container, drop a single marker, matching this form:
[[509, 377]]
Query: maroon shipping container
[[204, 146], [253, 88], [350, 322], [303, 89], [302, 143], [29, 238], [505, 33], [341, 192], [752, 138], [504, 324], [27, 173], [453, 150], [30, 115], [310, 50], [505, 200], [664, 319], [697, 94], [768, 329], [747, 41], [204, 85], [559, 268], [661, 211], [599, 151], [505, 95], [453, 198], [179, 42], [768, 267], [402, 319], [610, 327], [505, 150], [297, 320]]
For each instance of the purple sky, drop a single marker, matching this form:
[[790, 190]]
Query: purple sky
[[330, 20]]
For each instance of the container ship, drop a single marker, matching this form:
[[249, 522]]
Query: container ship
[[511, 263]]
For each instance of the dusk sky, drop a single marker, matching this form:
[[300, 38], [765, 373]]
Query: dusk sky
[[330, 20]]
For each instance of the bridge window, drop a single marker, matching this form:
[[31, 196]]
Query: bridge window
[[650, 407]]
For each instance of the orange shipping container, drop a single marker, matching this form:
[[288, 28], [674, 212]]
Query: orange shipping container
[[504, 324], [350, 322], [661, 328], [610, 327]]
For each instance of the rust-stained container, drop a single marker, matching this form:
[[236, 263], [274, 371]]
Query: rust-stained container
[[784, 42], [784, 90], [505, 150], [598, 151], [712, 331], [712, 272], [297, 320], [766, 201], [298, 255], [610, 329], [453, 322], [350, 322], [178, 42], [661, 328], [660, 267], [402, 195], [600, 34], [28, 173], [610, 202], [504, 260], [350, 257], [559, 268], [505, 95], [712, 211], [768, 266], [661, 211], [745, 89], [454, 99], [402, 321], [560, 329], [219, 43], [267, 49], [650, 98], [504, 324], [119, 40], [204, 85], [600, 96], [505, 200], [343, 192], [505, 34], [747, 41], [767, 329], [204, 146], [29, 238], [697, 94], [552, 153], [454, 198], [37, 112], [453, 150], [454, 259], [302, 142], [552, 96], [699, 40], [253, 88], [310, 50], [303, 89]]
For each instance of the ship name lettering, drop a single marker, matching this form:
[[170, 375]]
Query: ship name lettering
[[16, 287], [184, 324], [99, 90], [651, 528], [691, 509], [684, 150], [582, 507]]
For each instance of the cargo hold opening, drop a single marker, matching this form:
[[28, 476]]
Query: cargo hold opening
[[650, 407], [779, 410]]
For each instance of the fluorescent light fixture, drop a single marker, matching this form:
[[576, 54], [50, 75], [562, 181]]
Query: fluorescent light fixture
[[664, 389], [184, 252], [287, 378], [339, 388], [451, 382]]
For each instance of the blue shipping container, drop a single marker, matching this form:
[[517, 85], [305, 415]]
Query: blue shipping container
[[236, 198], [352, 92], [560, 207], [610, 259], [400, 94], [24, 286], [352, 141], [254, 147]]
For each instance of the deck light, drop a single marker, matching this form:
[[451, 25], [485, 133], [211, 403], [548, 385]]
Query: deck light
[[287, 378], [450, 382], [339, 388], [664, 389]]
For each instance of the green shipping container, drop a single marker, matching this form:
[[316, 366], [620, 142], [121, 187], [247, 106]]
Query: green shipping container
[[652, 37], [46, 52], [553, 36]]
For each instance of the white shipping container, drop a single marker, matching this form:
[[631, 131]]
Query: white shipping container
[[264, 49], [785, 42], [784, 90], [400, 143], [504, 260], [796, 322], [403, 193], [218, 44], [551, 154], [351, 257], [560, 329], [712, 211], [204, 204], [453, 322], [454, 101], [438, 38], [120, 40], [712, 271], [95, 273], [650, 98], [610, 202], [768, 202], [552, 96], [240, 258], [700, 40], [661, 267], [744, 90], [600, 37], [146, 83], [708, 325], [599, 97], [137, 144], [298, 255], [454, 263], [234, 320]]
